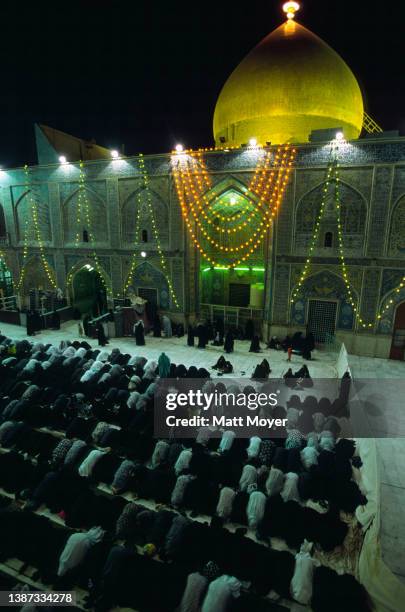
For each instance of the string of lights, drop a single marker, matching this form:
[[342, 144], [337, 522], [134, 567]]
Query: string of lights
[[390, 302], [25, 256], [315, 235], [136, 244], [34, 216], [261, 190], [334, 177], [349, 292], [264, 158], [205, 208], [185, 187], [79, 208], [86, 208], [154, 228], [351, 300], [210, 207], [210, 259]]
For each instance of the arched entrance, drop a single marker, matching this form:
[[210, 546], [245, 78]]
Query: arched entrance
[[87, 291], [321, 306], [398, 335]]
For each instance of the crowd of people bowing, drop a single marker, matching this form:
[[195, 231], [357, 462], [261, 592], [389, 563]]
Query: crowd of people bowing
[[161, 525]]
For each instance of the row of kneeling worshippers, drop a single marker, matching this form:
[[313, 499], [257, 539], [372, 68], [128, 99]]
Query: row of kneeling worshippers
[[293, 488], [196, 566]]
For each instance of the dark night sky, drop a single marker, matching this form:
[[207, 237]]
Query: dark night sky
[[147, 73]]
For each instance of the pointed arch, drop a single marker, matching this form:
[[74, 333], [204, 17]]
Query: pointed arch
[[353, 215], [396, 241], [34, 275], [230, 183], [323, 285], [388, 306], [230, 206], [24, 220], [137, 201], [87, 261], [98, 217], [148, 276]]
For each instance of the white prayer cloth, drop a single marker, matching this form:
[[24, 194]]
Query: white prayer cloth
[[254, 447], [86, 467], [160, 453], [77, 547], [309, 456], [290, 488], [226, 440], [225, 502], [301, 583], [255, 508], [248, 477], [194, 593], [180, 489], [274, 482], [220, 593], [183, 461]]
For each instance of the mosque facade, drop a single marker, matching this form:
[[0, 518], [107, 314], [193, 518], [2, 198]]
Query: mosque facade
[[332, 258]]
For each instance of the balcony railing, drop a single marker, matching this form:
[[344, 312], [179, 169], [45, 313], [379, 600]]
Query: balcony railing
[[11, 302], [232, 316]]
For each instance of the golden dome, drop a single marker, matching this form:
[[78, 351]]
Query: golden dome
[[291, 83]]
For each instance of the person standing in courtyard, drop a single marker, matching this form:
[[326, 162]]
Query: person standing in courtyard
[[101, 337], [139, 332], [229, 342]]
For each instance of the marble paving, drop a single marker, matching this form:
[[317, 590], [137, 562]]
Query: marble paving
[[383, 407], [321, 366]]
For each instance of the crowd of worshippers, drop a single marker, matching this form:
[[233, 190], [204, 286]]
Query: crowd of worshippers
[[101, 406], [205, 332]]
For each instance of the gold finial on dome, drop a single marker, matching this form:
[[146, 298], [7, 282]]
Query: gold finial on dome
[[290, 8]]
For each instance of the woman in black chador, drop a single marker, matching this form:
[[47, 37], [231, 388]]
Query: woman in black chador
[[229, 342], [55, 320], [102, 340], [157, 327], [30, 324], [249, 329], [202, 334], [255, 345], [219, 332], [190, 335], [139, 333]]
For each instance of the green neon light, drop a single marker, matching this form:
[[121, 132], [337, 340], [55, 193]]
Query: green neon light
[[237, 269]]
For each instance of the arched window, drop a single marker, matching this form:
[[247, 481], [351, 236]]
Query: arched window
[[85, 235], [328, 240], [144, 235]]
